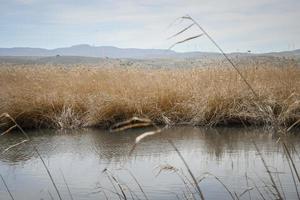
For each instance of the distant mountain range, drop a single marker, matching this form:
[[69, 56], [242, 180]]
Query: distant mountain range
[[114, 52]]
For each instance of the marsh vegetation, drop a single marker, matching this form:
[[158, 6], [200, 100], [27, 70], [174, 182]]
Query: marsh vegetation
[[79, 96], [84, 96]]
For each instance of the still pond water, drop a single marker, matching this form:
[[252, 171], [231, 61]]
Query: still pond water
[[79, 157]]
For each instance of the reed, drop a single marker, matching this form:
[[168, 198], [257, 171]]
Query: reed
[[288, 154], [15, 124], [137, 182], [292, 167], [49, 174], [196, 184], [50, 195], [112, 179], [66, 183], [226, 188], [277, 193], [7, 189], [82, 96]]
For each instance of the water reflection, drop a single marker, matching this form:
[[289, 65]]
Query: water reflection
[[116, 146], [228, 153]]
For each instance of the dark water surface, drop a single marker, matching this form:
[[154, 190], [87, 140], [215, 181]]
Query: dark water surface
[[80, 157]]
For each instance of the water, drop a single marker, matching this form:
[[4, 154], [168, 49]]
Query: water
[[81, 156]]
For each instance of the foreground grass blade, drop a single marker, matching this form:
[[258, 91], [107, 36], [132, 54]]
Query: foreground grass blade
[[49, 174], [66, 183], [111, 178], [11, 196], [137, 182], [189, 170], [268, 171], [39, 155], [291, 159], [292, 167], [183, 30], [187, 17], [185, 40], [227, 189]]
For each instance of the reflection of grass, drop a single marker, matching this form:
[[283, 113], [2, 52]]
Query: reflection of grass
[[81, 96], [191, 182]]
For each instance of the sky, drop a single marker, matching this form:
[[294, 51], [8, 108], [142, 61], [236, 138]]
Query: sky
[[236, 25]]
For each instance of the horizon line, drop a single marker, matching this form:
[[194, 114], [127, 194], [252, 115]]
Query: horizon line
[[89, 45]]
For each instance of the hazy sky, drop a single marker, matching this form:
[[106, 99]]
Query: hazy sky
[[237, 25]]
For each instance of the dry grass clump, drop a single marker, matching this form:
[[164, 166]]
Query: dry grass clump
[[83, 96]]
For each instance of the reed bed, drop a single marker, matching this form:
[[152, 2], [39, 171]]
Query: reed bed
[[83, 96]]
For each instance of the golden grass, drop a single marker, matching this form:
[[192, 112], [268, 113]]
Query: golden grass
[[84, 96]]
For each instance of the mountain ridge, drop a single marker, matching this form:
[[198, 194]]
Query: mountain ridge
[[115, 52]]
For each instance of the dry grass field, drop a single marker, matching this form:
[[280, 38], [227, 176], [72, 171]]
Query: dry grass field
[[83, 96]]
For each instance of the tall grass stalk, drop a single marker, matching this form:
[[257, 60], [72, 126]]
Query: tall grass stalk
[[256, 187], [139, 185], [7, 189], [204, 32], [226, 188], [274, 186], [112, 177], [66, 183], [247, 183], [49, 173], [280, 184], [288, 154], [113, 185], [6, 115], [50, 195], [292, 167], [189, 170], [185, 180]]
